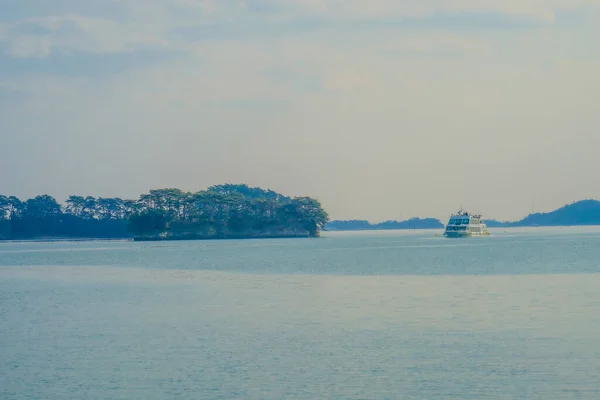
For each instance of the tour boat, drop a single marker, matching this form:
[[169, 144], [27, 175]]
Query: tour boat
[[463, 224]]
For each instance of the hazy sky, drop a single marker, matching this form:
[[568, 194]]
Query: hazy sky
[[381, 109]]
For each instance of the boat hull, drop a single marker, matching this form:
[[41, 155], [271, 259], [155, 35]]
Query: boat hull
[[457, 234], [463, 234]]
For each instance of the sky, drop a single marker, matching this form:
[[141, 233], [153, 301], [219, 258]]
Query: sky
[[380, 109]]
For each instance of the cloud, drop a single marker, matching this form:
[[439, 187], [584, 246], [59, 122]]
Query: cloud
[[71, 33], [158, 24], [544, 10]]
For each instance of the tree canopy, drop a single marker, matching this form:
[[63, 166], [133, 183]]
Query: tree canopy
[[222, 211], [225, 211]]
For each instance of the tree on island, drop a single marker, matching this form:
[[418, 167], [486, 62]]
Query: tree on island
[[222, 211], [225, 211]]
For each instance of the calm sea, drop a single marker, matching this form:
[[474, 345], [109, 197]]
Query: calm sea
[[380, 315]]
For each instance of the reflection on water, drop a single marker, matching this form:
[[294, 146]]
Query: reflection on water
[[117, 332]]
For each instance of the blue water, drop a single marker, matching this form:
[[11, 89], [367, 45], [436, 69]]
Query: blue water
[[379, 315]]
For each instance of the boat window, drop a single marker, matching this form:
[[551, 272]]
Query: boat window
[[465, 221]]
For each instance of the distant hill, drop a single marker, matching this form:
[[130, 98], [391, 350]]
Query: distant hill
[[492, 223], [349, 225], [362, 225], [584, 212]]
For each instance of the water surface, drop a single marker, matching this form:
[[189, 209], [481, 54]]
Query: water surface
[[385, 315]]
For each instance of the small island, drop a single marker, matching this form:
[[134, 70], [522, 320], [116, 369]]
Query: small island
[[362, 225], [229, 211]]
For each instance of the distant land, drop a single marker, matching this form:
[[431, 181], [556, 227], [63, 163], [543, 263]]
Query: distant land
[[584, 212], [361, 225], [229, 211]]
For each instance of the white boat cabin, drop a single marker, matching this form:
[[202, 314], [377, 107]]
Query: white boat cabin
[[465, 224]]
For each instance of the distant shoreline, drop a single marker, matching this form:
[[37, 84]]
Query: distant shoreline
[[158, 239], [221, 238], [52, 240], [363, 225], [382, 229]]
